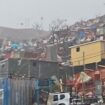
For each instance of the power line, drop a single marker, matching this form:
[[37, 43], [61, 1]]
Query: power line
[[89, 54], [93, 56]]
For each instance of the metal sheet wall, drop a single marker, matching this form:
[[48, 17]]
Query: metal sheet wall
[[17, 91], [32, 68], [1, 92]]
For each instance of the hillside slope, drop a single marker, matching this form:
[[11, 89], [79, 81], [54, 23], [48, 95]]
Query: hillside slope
[[22, 34]]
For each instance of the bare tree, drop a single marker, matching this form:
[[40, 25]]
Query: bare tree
[[58, 24], [56, 27], [38, 26]]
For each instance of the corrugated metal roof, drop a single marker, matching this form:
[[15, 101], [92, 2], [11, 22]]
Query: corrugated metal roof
[[87, 43]]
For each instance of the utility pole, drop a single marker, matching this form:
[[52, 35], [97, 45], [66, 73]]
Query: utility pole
[[29, 76], [96, 66], [83, 84], [84, 61], [72, 70], [39, 71], [29, 65]]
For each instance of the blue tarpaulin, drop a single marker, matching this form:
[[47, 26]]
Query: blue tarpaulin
[[6, 92], [81, 34], [14, 46]]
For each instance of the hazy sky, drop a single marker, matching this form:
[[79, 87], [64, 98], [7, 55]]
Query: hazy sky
[[15, 12]]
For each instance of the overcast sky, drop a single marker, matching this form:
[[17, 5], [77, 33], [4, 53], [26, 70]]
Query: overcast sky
[[28, 12]]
